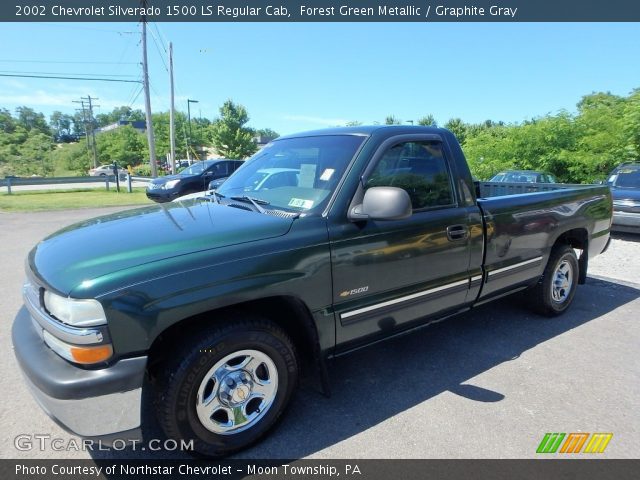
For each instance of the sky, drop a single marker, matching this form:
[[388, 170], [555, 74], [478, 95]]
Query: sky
[[295, 77]]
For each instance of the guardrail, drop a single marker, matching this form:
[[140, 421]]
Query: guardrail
[[106, 179]]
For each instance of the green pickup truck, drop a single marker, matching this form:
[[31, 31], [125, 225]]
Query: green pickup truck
[[212, 308]]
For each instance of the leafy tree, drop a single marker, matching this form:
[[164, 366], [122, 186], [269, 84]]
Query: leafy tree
[[392, 120], [124, 145], [229, 135], [34, 155], [61, 125], [7, 122], [353, 123], [428, 121], [117, 114], [458, 128], [631, 125], [30, 120], [267, 133]]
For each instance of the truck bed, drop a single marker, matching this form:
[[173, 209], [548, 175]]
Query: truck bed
[[499, 189], [522, 227]]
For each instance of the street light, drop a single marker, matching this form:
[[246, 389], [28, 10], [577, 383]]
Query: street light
[[189, 102]]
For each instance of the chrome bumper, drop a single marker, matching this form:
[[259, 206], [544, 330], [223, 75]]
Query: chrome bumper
[[93, 416]]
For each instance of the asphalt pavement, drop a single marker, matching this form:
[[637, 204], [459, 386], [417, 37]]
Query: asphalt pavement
[[486, 384]]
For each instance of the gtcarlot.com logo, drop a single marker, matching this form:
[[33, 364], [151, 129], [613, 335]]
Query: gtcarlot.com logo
[[574, 442], [45, 442]]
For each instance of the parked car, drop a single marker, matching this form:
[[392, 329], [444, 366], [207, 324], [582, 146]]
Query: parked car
[[624, 181], [107, 170], [263, 179], [191, 180], [523, 176], [211, 310], [267, 178]]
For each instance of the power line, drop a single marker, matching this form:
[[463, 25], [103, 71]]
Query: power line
[[76, 27], [68, 62], [67, 73], [155, 42], [160, 39], [70, 78], [136, 97]]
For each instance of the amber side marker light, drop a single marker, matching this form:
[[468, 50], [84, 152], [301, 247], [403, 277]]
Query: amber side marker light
[[84, 355], [88, 355]]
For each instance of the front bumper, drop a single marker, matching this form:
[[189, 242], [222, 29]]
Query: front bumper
[[626, 222], [88, 403], [161, 195]]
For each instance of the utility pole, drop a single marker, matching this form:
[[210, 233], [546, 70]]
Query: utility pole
[[93, 132], [147, 99], [189, 102], [89, 131], [172, 126]]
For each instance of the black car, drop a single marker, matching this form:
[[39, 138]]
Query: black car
[[191, 180], [625, 189]]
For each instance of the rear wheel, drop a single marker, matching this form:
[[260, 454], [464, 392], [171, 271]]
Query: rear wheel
[[227, 386], [554, 293]]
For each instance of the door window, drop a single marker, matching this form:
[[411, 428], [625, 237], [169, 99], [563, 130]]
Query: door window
[[419, 168]]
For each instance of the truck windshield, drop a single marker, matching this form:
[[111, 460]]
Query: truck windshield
[[297, 174], [626, 178]]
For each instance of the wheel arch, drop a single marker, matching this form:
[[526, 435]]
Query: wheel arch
[[577, 238], [288, 312]]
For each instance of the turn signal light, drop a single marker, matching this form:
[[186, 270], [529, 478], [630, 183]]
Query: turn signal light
[[88, 355]]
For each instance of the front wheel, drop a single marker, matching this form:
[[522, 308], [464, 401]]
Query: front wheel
[[227, 386], [554, 293]]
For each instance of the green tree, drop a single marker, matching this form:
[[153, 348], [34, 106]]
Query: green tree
[[124, 145], [631, 125], [119, 113], [458, 128], [7, 122], [392, 120], [229, 135], [61, 124], [267, 133], [428, 121], [31, 120], [34, 155]]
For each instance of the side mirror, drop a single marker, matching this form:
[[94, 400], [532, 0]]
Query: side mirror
[[214, 184], [382, 203]]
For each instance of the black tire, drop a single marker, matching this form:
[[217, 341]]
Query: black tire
[[182, 377], [551, 299]]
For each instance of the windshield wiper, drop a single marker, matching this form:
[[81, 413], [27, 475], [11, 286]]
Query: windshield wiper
[[256, 202]]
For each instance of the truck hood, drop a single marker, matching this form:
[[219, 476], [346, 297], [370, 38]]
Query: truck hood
[[100, 246]]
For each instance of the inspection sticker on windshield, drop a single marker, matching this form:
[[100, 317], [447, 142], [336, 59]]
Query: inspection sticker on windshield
[[327, 174], [301, 203]]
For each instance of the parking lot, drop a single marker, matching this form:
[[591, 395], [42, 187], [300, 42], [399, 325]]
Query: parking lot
[[486, 384]]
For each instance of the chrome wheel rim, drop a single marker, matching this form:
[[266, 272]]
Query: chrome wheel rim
[[562, 282], [237, 392]]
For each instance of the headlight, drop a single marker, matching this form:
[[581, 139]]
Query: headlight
[[170, 184], [78, 313]]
